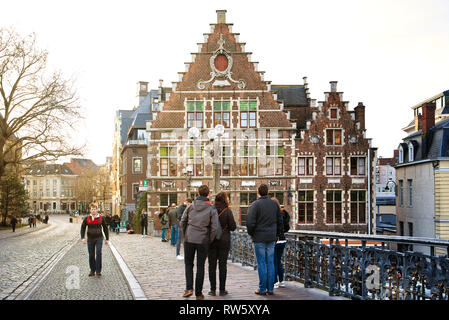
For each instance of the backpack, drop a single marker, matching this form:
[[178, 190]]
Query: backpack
[[219, 228]]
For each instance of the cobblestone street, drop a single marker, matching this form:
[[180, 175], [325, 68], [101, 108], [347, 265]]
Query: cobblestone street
[[51, 263]]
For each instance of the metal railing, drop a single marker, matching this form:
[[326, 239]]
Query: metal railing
[[358, 266]]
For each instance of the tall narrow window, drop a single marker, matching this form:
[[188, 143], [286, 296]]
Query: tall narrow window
[[195, 114], [333, 206], [168, 161], [137, 165], [248, 112], [333, 166], [410, 193], [196, 160], [333, 137], [357, 166], [305, 166], [305, 206], [248, 160], [401, 193], [274, 160], [226, 161], [222, 113], [246, 199], [358, 206]]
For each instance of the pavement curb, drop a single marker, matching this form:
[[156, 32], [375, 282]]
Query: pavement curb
[[134, 286]]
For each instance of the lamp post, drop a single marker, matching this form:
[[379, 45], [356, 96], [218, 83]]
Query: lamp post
[[188, 172], [213, 134]]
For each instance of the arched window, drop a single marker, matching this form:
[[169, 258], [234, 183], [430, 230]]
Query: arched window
[[411, 153], [401, 154]]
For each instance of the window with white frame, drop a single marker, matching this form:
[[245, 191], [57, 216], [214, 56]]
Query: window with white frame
[[305, 166], [334, 137], [358, 206], [196, 159], [248, 113], [333, 166], [333, 206], [135, 190], [222, 113], [248, 160], [195, 114], [411, 153], [357, 166], [226, 160], [410, 192], [305, 206], [401, 154], [168, 161], [274, 160], [137, 165]]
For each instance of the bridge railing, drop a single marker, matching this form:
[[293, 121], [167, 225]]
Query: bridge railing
[[359, 266]]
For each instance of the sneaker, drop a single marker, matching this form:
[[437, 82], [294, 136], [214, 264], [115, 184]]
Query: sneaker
[[179, 257], [276, 285], [282, 284]]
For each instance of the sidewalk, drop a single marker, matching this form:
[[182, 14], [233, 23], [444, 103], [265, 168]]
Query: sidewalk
[[5, 234], [161, 276]]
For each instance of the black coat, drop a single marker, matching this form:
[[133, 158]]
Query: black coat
[[227, 223], [264, 220]]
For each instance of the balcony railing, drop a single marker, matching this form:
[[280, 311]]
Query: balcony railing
[[358, 266]]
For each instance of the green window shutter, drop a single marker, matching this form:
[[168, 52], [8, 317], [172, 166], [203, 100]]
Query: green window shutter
[[280, 150], [217, 105], [226, 105], [199, 105], [243, 105], [163, 152], [190, 106]]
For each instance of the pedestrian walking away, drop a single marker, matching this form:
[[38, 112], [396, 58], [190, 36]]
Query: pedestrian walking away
[[264, 225], [30, 221], [279, 248], [179, 212], [219, 248], [163, 218], [13, 224], [173, 224], [94, 224], [199, 223], [144, 223]]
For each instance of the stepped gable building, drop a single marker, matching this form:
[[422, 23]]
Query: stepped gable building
[[220, 86], [315, 159]]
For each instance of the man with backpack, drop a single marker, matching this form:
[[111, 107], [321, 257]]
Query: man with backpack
[[94, 223], [199, 223]]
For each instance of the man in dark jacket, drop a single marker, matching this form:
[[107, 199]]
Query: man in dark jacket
[[144, 223], [173, 224], [264, 225], [199, 223], [13, 224], [94, 223], [179, 212]]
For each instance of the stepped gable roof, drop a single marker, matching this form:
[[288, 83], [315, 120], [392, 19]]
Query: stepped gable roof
[[77, 165], [221, 64]]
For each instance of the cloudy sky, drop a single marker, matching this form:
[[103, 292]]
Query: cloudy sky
[[390, 55]]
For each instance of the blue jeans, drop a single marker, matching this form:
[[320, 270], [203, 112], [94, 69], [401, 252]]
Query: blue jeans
[[174, 234], [278, 268], [264, 252], [163, 234], [94, 249]]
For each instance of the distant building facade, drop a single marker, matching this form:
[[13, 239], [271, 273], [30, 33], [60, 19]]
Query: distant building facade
[[422, 172]]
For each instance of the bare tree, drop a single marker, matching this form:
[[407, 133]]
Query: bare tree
[[38, 107]]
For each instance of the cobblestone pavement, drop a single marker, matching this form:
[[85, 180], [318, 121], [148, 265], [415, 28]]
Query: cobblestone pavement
[[161, 275], [25, 255], [69, 279]]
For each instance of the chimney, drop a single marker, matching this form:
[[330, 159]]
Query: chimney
[[418, 122], [333, 86], [428, 117], [360, 115], [221, 16]]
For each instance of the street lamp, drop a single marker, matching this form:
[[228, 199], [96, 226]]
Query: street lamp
[[188, 172], [213, 134]]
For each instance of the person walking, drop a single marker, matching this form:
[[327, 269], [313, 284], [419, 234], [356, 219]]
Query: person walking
[[94, 224], [219, 248], [279, 248], [173, 223], [163, 216], [13, 224], [179, 212], [199, 223], [108, 220], [34, 221], [264, 225], [30, 221], [144, 223]]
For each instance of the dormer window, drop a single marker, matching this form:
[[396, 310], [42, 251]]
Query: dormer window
[[410, 152], [401, 154]]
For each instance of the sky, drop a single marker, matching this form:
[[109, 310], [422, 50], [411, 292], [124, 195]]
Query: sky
[[390, 55]]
